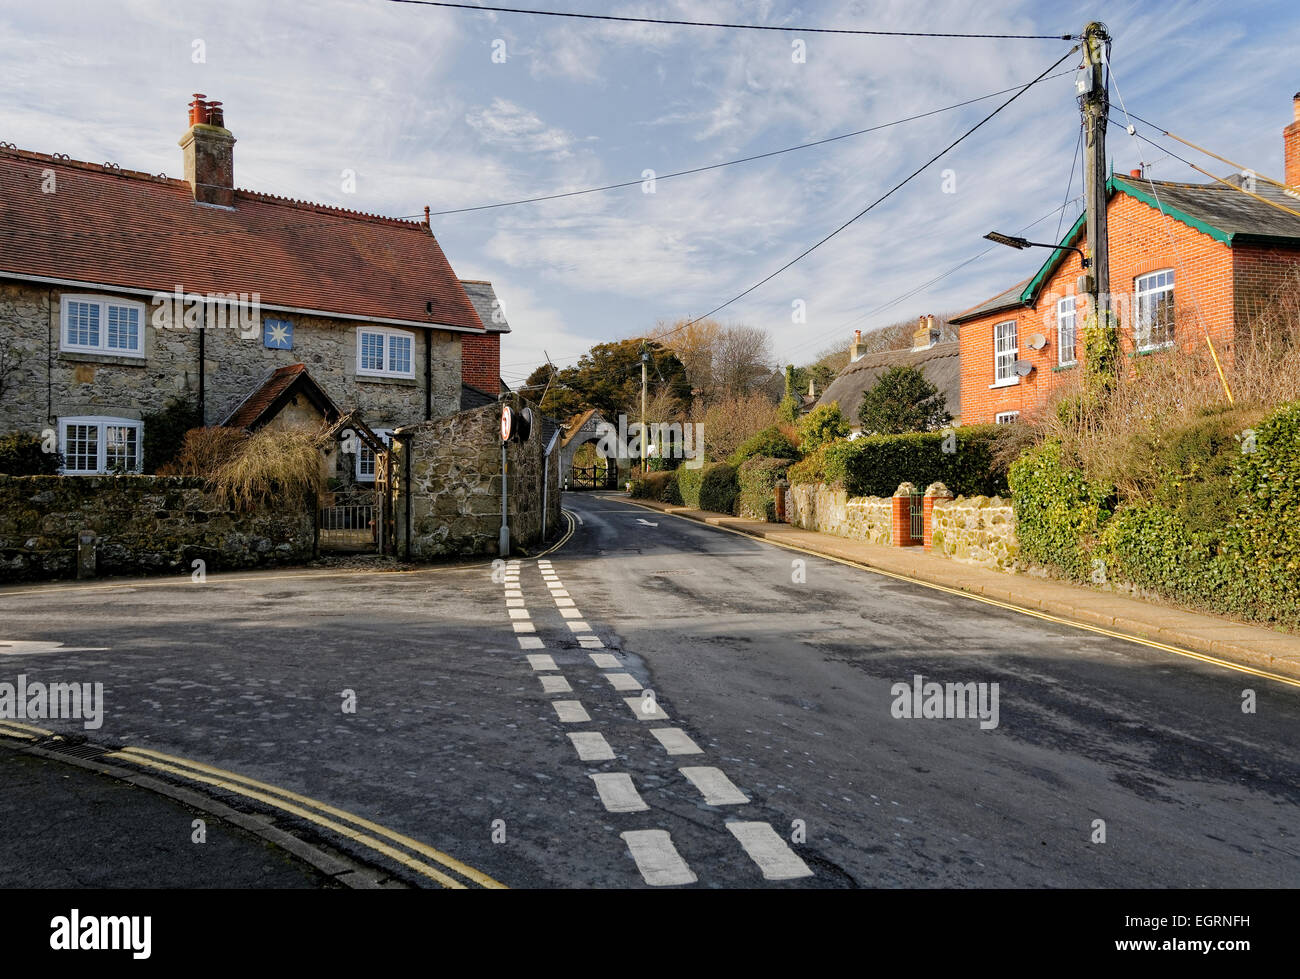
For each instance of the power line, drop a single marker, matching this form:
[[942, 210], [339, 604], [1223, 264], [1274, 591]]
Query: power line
[[742, 27], [731, 163], [883, 197]]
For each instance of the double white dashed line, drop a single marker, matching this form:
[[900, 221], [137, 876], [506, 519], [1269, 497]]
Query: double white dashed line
[[653, 851]]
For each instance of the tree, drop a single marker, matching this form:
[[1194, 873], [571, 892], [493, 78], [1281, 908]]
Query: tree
[[729, 422], [823, 424], [720, 361], [903, 400], [608, 378]]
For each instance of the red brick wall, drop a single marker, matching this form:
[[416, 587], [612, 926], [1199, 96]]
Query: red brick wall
[[480, 364], [1206, 278], [1259, 273]]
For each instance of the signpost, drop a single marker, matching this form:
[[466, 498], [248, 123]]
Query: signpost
[[507, 429]]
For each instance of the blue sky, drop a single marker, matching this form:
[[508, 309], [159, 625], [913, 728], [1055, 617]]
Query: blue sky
[[411, 99]]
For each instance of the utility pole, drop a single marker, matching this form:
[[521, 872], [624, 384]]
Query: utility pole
[[645, 358], [1094, 102]]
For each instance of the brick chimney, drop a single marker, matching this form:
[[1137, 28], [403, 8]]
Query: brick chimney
[[857, 344], [1291, 145], [927, 333], [209, 150]]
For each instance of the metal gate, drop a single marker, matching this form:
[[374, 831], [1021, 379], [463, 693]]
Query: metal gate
[[351, 528], [918, 517], [593, 477]]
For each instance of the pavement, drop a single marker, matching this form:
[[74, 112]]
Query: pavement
[[486, 725], [1255, 646]]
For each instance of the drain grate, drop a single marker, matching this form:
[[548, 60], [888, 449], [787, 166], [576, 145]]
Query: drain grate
[[73, 747]]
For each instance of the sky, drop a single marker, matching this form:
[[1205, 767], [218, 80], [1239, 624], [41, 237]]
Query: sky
[[459, 108]]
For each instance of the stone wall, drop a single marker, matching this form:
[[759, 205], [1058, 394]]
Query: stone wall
[[454, 487], [978, 530], [143, 525], [48, 383], [815, 506]]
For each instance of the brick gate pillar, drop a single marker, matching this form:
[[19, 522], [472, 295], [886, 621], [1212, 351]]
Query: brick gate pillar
[[900, 529], [935, 491]]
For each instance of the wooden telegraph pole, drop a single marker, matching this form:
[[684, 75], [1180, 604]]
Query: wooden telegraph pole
[[1094, 102]]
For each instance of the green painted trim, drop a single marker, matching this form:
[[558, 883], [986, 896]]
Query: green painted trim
[[1029, 295], [1065, 367], [1185, 218]]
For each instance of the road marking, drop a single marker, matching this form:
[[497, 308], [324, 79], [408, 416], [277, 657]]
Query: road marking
[[542, 661], [772, 854], [568, 517], [591, 746], [240, 784], [637, 704], [514, 593], [590, 642], [656, 858], [562, 602], [605, 661], [29, 728], [623, 681], [618, 793], [524, 627], [559, 593], [530, 642], [517, 613], [9, 732], [514, 603], [716, 788], [646, 522], [571, 711], [577, 625], [676, 741], [1045, 616], [571, 613], [555, 684]]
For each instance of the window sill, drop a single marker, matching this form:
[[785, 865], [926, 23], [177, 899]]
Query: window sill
[[1148, 351], [1064, 367], [409, 382], [1008, 383], [85, 357]]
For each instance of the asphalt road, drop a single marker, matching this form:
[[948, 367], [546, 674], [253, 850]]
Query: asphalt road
[[779, 673]]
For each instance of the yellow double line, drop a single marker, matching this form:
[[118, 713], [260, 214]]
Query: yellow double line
[[426, 861], [563, 540]]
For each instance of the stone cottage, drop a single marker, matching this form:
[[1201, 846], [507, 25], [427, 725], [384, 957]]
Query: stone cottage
[[122, 293]]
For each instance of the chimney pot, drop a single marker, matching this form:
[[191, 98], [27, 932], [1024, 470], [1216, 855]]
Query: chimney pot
[[209, 154], [1295, 105], [1135, 172]]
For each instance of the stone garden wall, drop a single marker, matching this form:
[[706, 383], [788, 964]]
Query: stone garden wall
[[454, 489], [816, 506], [141, 525], [977, 530]]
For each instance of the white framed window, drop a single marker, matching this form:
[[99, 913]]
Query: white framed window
[[1153, 310], [1005, 352], [99, 325], [366, 457], [1065, 319], [1006, 417], [100, 444], [385, 353]]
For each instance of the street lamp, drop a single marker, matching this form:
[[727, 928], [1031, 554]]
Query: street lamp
[[1011, 241]]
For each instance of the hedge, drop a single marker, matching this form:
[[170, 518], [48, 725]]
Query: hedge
[[1245, 563], [661, 486], [719, 488], [770, 442], [757, 479], [962, 459], [688, 485]]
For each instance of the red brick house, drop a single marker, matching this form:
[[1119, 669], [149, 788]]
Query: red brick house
[[1187, 261]]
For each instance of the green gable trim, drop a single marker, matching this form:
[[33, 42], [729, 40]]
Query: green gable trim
[[1030, 294]]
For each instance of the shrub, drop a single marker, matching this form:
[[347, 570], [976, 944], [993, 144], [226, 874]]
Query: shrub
[[903, 400], [770, 442], [828, 464], [688, 485], [165, 430], [1058, 514], [823, 424], [962, 459], [719, 488], [205, 450], [21, 454], [757, 479], [661, 486], [273, 464]]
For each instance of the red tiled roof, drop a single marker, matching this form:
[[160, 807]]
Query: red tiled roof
[[262, 404], [122, 228]]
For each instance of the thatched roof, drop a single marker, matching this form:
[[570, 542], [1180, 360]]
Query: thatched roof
[[941, 365]]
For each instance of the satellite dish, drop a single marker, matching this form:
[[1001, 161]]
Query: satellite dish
[[1023, 368], [1037, 341]]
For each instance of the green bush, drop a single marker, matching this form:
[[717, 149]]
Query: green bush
[[823, 424], [828, 464], [961, 459], [757, 478], [1058, 515], [21, 454], [688, 485], [164, 432], [719, 488], [661, 486], [770, 442]]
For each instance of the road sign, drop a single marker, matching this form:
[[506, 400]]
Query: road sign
[[507, 423]]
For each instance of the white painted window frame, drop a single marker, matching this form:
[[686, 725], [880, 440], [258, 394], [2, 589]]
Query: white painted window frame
[[1007, 356], [102, 422], [1141, 293], [387, 334], [1005, 417], [363, 450], [1066, 308], [102, 348]]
